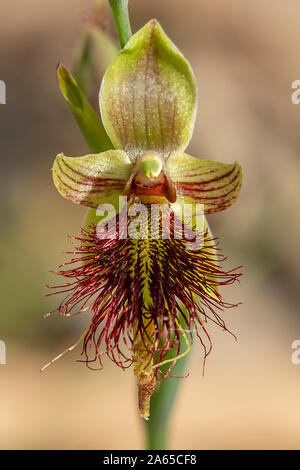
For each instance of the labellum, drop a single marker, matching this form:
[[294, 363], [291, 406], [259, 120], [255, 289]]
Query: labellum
[[146, 268]]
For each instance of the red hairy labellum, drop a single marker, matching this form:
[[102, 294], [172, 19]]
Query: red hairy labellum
[[140, 291]]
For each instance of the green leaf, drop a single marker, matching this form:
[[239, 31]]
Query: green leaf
[[92, 57], [88, 121]]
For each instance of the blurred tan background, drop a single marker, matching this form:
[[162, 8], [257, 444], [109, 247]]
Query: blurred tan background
[[245, 56]]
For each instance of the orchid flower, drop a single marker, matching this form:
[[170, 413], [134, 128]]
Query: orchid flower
[[150, 294]]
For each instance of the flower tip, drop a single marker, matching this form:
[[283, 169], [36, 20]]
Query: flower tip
[[59, 158], [61, 71], [69, 88], [153, 22], [153, 25], [150, 26], [145, 392]]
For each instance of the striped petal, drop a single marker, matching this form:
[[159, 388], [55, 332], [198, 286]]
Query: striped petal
[[148, 95], [215, 185], [93, 179]]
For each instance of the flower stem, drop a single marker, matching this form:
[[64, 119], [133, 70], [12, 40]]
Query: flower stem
[[121, 16], [163, 399], [162, 402]]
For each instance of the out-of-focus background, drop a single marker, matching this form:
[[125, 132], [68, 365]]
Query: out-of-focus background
[[245, 56]]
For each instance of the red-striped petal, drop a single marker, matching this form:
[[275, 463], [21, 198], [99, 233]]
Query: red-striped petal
[[93, 179], [215, 185]]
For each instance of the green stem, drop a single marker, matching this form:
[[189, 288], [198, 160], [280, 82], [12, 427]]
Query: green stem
[[121, 16], [162, 400]]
